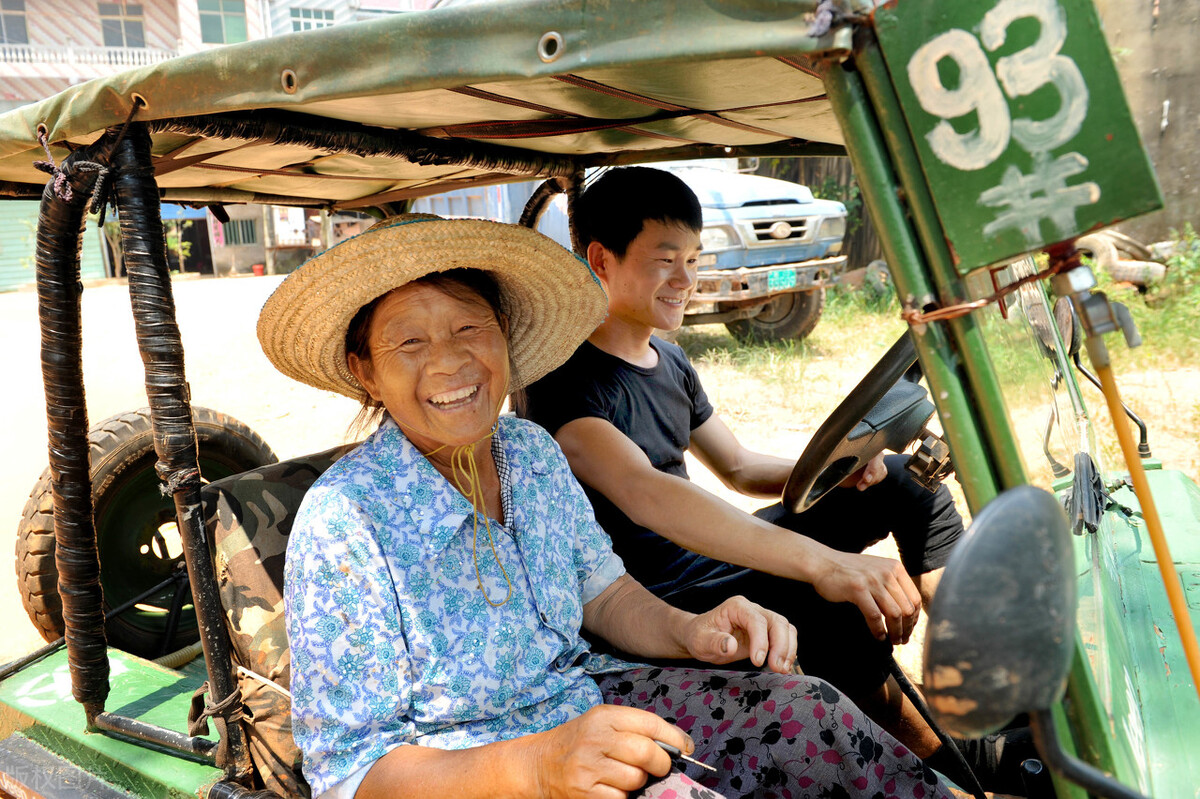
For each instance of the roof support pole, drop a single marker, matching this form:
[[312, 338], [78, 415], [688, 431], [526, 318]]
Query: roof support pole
[[59, 237], [964, 331], [537, 203], [158, 338], [573, 184], [874, 168]]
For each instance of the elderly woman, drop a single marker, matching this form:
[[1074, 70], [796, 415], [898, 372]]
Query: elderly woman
[[439, 575]]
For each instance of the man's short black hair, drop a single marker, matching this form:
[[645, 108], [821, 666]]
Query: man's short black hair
[[615, 207]]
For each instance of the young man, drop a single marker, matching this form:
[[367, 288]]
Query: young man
[[627, 406]]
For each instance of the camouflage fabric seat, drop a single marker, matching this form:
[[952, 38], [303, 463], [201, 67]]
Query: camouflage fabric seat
[[248, 518]]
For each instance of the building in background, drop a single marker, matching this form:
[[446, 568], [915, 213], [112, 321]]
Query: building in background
[[47, 46]]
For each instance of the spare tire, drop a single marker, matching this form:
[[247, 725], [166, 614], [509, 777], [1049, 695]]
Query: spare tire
[[135, 528]]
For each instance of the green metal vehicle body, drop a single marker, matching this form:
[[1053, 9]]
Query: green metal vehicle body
[[968, 136]]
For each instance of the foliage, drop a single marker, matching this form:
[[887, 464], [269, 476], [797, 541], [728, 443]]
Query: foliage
[[848, 194], [858, 319], [852, 322], [1183, 267], [176, 245]]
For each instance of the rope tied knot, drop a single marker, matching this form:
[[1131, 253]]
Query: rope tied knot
[[827, 16], [228, 710], [63, 172], [180, 480], [1062, 259]]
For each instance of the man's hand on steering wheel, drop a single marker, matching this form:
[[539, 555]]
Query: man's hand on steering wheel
[[867, 476], [880, 588], [882, 412]]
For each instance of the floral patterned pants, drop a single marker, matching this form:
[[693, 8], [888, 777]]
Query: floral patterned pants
[[770, 735]]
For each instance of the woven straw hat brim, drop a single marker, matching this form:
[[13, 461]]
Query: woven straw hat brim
[[552, 298]]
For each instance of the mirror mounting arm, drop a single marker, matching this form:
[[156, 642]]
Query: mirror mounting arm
[[930, 464], [1093, 780]]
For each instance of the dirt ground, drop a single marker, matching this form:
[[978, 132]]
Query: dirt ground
[[776, 412]]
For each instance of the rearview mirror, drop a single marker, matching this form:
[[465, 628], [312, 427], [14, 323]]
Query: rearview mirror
[[1001, 626], [1068, 326]]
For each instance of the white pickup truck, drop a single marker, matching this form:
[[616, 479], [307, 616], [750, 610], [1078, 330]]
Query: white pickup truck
[[770, 247]]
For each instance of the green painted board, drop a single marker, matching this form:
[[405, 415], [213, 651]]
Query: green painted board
[[1132, 692], [37, 704], [1019, 121]]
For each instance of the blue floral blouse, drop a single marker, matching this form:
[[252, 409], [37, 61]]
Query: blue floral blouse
[[392, 641]]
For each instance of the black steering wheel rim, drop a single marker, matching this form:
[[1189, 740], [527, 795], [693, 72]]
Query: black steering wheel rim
[[817, 458]]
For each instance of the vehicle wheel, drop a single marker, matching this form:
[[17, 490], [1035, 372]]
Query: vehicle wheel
[[135, 527], [786, 316]]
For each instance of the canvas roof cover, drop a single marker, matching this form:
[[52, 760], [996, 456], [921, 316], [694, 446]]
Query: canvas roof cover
[[369, 113]]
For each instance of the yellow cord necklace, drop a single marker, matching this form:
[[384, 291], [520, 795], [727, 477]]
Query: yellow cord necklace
[[462, 463]]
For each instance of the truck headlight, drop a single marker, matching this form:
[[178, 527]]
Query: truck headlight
[[833, 226], [717, 238]]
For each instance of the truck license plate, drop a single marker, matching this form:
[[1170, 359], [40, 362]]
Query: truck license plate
[[781, 279]]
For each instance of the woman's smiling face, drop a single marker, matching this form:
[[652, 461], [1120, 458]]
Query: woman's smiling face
[[439, 364]]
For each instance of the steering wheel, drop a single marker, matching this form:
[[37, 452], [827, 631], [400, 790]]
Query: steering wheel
[[882, 412]]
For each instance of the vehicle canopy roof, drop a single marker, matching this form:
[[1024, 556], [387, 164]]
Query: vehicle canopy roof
[[372, 113]]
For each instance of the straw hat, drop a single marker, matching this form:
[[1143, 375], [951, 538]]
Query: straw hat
[[552, 298]]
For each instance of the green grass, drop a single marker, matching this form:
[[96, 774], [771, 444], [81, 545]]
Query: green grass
[[857, 320], [852, 321], [774, 363]]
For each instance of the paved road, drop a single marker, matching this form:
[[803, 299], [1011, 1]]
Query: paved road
[[225, 367]]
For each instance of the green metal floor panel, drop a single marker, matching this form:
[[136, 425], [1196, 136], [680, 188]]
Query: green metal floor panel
[[37, 703], [1154, 674], [1190, 577], [1178, 502]]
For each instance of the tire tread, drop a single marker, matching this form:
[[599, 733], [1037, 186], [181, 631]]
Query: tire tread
[[112, 445]]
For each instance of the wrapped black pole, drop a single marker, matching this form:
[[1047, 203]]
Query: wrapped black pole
[[171, 417], [535, 206], [574, 187], [59, 237]]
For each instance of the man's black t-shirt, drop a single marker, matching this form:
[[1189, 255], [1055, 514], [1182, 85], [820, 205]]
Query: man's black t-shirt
[[657, 409]]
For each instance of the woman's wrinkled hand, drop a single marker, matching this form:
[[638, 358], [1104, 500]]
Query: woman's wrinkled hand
[[738, 629], [605, 753]]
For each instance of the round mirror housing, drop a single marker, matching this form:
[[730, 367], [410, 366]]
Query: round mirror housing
[[1068, 325], [1001, 626]]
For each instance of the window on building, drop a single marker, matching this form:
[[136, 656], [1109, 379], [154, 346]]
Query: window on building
[[222, 21], [12, 22], [121, 24], [240, 231], [305, 19]]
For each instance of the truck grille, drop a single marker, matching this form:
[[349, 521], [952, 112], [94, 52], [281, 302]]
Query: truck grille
[[771, 231]]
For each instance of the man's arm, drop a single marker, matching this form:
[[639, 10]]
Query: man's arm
[[751, 473], [756, 474], [602, 457]]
